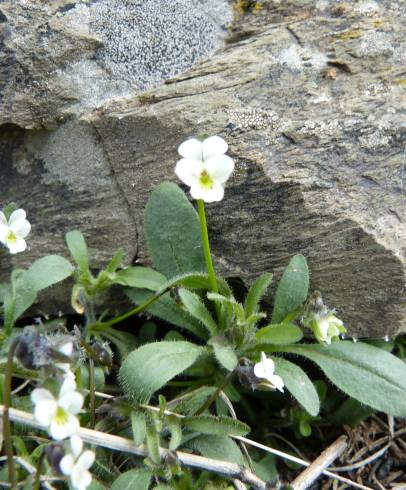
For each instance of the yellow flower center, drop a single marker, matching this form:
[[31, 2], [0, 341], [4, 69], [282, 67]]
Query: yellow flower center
[[205, 180], [11, 237], [61, 416]]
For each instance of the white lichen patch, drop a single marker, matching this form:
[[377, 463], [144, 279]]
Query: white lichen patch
[[376, 89], [322, 98], [252, 118], [367, 7], [374, 140], [375, 43], [312, 127], [298, 58]]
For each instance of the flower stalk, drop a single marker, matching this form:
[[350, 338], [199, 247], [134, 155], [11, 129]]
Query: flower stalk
[[206, 246]]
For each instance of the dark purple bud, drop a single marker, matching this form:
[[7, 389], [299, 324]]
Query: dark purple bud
[[54, 453]]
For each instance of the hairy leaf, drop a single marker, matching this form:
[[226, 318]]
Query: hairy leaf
[[218, 426], [256, 292], [139, 427], [150, 367], [218, 447], [140, 277], [78, 249], [189, 403], [198, 310], [279, 334], [138, 479], [368, 374], [299, 385], [166, 309], [292, 288], [172, 231], [224, 353]]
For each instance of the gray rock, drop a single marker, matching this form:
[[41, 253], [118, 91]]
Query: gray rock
[[310, 97]]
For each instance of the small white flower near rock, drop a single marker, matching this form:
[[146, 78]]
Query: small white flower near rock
[[58, 415], [204, 167], [14, 230], [328, 327], [265, 369], [77, 463]]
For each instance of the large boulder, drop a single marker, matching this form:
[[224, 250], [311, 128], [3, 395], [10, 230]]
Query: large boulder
[[309, 96]]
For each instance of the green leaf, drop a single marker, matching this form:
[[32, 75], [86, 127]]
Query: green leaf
[[166, 309], [299, 385], [172, 231], [364, 372], [124, 341], [190, 403], [138, 479], [279, 334], [292, 288], [218, 447], [150, 367], [9, 209], [41, 274], [224, 353], [153, 443], [175, 428], [218, 426], [256, 292], [140, 277], [115, 262], [78, 249], [350, 412], [139, 427], [198, 310], [47, 271]]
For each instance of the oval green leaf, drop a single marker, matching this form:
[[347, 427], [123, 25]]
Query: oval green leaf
[[279, 334]]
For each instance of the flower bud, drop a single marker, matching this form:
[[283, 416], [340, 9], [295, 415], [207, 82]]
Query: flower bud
[[54, 453], [103, 354]]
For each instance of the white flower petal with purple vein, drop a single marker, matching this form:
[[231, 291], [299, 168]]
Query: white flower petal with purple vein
[[212, 146], [191, 149]]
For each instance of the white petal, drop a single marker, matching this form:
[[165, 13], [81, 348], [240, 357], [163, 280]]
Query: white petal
[[41, 394], [44, 412], [20, 227], [3, 232], [18, 246], [68, 386], [17, 215], [220, 168], [76, 445], [66, 348], [277, 381], [189, 170], [66, 464], [59, 431], [3, 220], [191, 149], [214, 146], [86, 459], [216, 193], [80, 479], [265, 368], [71, 402]]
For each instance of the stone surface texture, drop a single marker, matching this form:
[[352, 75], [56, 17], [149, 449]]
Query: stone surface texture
[[310, 97]]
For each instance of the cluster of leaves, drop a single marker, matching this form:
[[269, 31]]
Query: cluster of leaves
[[213, 343]]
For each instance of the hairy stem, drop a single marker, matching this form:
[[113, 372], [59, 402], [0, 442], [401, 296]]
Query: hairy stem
[[6, 419], [92, 391], [206, 246], [216, 394]]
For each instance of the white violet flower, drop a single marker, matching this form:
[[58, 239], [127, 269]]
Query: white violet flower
[[67, 350], [265, 370], [327, 328], [77, 463], [204, 167], [13, 231], [58, 415]]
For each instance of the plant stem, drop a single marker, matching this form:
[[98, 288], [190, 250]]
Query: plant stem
[[92, 390], [37, 482], [6, 419], [206, 246], [215, 395]]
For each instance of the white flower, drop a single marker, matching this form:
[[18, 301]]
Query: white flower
[[265, 370], [76, 464], [58, 415], [13, 231], [328, 327], [204, 167], [67, 350]]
